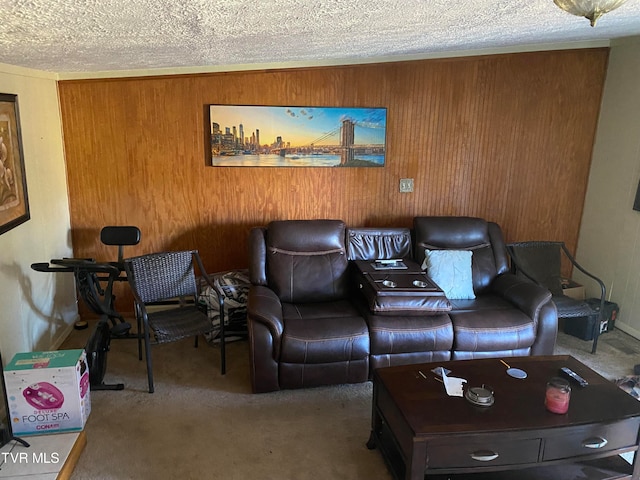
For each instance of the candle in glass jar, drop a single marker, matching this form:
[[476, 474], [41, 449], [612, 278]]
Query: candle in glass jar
[[557, 396]]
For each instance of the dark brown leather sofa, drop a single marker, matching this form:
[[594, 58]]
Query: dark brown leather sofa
[[310, 325]]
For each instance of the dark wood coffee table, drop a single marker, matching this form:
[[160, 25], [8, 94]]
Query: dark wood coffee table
[[423, 433]]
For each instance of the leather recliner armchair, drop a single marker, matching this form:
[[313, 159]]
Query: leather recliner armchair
[[510, 316], [303, 329]]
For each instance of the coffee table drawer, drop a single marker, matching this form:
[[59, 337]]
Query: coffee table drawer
[[591, 439], [480, 453]]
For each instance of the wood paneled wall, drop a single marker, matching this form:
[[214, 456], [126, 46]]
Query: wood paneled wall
[[504, 137]]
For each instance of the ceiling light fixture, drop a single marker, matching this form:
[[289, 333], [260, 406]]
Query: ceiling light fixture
[[591, 9]]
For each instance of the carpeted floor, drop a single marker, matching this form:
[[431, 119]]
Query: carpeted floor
[[615, 357], [200, 424]]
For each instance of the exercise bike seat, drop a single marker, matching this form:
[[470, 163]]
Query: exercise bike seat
[[120, 236]]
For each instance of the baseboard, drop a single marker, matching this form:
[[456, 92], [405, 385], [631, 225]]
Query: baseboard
[[57, 343], [72, 459], [628, 330]]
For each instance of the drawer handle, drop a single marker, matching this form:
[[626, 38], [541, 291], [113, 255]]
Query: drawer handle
[[595, 442], [484, 455]]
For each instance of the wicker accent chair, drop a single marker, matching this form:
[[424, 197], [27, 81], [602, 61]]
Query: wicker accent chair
[[168, 279], [540, 262]]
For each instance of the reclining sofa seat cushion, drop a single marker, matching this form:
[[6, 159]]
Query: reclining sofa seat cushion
[[397, 339], [323, 339], [488, 325]]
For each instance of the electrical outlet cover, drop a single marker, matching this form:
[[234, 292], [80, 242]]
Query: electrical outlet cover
[[406, 185]]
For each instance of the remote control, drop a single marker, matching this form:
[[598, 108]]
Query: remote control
[[567, 372]]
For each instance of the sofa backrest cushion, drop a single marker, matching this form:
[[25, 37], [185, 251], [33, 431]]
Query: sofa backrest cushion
[[483, 238], [306, 260], [378, 243]]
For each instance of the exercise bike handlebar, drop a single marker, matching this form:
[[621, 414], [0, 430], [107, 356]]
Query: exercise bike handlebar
[[73, 264]]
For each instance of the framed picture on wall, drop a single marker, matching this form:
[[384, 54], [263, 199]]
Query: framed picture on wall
[[278, 136], [14, 202]]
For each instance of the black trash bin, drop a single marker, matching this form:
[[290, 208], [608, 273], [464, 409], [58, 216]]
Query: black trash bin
[[582, 327]]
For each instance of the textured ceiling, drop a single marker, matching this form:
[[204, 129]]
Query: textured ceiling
[[108, 35]]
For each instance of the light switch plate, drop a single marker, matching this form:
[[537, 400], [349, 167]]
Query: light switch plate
[[406, 185]]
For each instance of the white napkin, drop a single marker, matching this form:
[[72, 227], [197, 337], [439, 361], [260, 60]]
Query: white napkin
[[453, 385]]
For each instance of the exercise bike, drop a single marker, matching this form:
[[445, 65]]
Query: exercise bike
[[88, 274]]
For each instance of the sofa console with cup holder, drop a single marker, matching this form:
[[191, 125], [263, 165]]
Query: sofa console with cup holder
[[328, 303]]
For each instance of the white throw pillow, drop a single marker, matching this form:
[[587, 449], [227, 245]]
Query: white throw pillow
[[451, 270]]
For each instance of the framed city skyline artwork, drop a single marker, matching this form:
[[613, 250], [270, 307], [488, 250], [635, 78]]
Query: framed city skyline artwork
[[280, 136], [14, 202]]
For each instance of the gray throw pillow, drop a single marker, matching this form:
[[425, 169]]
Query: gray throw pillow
[[451, 271]]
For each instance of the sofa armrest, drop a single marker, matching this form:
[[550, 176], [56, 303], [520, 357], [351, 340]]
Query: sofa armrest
[[264, 306], [525, 295], [264, 322], [547, 332]]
